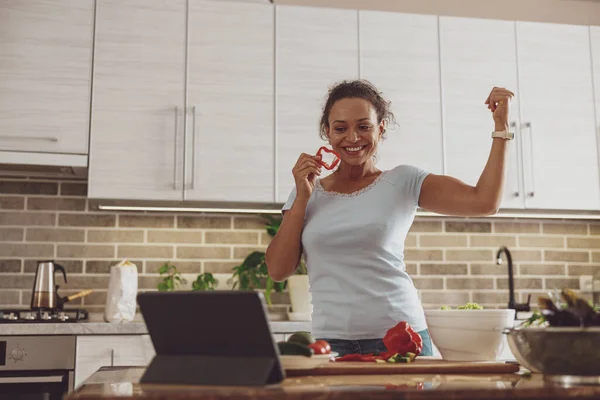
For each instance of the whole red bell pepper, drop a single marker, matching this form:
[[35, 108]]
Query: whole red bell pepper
[[403, 339]]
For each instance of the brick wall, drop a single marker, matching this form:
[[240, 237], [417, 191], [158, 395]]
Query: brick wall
[[451, 260]]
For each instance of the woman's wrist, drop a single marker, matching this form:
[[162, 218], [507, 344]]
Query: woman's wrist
[[499, 127]]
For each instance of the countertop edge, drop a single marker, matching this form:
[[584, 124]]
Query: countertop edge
[[117, 328]]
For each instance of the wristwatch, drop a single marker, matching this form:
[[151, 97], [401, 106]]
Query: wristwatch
[[503, 134]]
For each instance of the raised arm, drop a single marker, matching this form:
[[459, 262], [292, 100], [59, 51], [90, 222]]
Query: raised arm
[[450, 196]]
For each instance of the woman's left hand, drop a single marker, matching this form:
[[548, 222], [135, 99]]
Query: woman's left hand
[[498, 102]]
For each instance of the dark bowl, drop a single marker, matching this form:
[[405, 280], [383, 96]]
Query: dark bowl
[[557, 351]]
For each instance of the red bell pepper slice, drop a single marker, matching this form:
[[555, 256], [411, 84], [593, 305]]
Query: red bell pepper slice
[[323, 163], [365, 357]]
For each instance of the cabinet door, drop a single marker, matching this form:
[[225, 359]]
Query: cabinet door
[[315, 48], [399, 54], [231, 102], [557, 109], [595, 38], [94, 352], [138, 99], [476, 55], [45, 75]]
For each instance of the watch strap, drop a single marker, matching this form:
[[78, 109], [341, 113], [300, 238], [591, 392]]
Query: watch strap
[[503, 134]]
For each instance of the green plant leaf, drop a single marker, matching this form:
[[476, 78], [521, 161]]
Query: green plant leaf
[[255, 281], [263, 269], [244, 282], [279, 286], [254, 259], [268, 289], [164, 269]]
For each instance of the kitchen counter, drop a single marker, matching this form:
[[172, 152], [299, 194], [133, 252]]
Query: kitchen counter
[[116, 383], [125, 328]]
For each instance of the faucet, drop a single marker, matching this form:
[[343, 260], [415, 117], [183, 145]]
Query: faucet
[[511, 283]]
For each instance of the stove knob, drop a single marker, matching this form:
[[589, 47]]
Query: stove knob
[[17, 354]]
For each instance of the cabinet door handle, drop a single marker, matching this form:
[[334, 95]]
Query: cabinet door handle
[[112, 357], [193, 146], [18, 137], [517, 193], [529, 126], [175, 148]]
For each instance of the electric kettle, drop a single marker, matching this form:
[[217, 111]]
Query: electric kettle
[[44, 294]]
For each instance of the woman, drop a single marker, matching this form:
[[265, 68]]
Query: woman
[[351, 225]]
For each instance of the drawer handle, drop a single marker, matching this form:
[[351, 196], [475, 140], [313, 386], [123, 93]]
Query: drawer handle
[[18, 137]]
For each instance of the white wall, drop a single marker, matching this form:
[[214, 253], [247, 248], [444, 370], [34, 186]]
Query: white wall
[[583, 12]]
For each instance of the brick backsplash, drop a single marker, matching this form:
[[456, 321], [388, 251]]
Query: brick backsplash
[[451, 260]]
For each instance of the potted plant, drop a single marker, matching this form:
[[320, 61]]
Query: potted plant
[[253, 274], [205, 281], [172, 279]]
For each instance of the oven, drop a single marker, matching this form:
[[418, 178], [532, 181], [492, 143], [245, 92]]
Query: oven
[[36, 367]]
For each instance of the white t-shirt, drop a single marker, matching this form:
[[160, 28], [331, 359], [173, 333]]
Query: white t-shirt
[[354, 252]]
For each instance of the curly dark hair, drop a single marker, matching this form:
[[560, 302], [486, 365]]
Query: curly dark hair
[[360, 88]]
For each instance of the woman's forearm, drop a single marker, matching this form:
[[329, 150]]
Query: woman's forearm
[[490, 185], [284, 251]]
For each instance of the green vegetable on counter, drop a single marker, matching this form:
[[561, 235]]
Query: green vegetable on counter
[[468, 306], [304, 338], [294, 349]]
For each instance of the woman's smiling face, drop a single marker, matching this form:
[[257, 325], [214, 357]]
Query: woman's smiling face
[[354, 131]]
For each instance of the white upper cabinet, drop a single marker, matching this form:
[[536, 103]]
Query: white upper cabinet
[[557, 116], [399, 55], [315, 48], [45, 74], [138, 100], [476, 55], [595, 38], [230, 92]]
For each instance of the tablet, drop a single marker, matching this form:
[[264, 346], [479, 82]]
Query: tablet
[[216, 333]]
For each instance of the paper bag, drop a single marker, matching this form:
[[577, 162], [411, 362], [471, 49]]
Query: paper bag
[[122, 292]]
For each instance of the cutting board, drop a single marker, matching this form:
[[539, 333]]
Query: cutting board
[[419, 366]]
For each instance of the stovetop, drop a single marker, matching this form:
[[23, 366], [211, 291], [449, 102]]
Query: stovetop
[[21, 316]]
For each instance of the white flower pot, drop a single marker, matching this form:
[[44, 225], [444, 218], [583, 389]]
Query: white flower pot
[[300, 297]]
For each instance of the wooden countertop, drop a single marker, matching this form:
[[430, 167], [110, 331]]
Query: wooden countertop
[[119, 383]]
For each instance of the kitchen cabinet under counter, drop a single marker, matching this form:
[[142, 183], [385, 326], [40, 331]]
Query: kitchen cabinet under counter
[[116, 383], [97, 345]]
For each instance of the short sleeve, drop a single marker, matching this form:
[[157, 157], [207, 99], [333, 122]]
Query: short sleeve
[[410, 179], [290, 200]]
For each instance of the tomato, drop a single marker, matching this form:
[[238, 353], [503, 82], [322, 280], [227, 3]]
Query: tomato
[[326, 345], [320, 347]]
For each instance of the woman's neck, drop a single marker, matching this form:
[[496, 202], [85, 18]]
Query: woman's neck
[[356, 172]]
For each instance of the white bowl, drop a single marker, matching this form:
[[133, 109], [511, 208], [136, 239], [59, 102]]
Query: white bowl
[[303, 362], [469, 335]]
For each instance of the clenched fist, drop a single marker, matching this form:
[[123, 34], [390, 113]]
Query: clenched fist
[[498, 102], [306, 171]]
